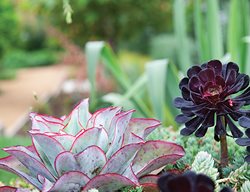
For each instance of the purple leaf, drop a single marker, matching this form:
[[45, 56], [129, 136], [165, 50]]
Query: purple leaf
[[108, 182], [132, 138], [92, 136], [103, 118], [122, 159], [149, 179], [11, 164], [70, 181], [65, 162], [120, 128], [45, 123], [91, 161], [43, 145], [35, 166], [142, 127], [65, 140], [155, 154]]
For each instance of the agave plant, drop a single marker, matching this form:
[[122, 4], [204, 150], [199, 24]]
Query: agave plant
[[105, 150]]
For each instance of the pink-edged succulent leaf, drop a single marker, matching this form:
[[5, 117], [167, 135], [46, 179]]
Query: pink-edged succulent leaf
[[65, 162], [132, 138], [36, 167], [70, 181], [91, 161], [12, 189], [108, 182], [78, 118], [129, 173], [155, 154], [120, 128], [48, 148], [149, 179], [93, 136], [45, 123], [65, 140], [122, 159], [12, 164], [103, 118], [46, 184], [150, 187], [142, 127]]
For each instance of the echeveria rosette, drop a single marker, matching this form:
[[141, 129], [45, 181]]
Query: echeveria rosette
[[245, 122], [207, 92], [188, 182], [105, 150]]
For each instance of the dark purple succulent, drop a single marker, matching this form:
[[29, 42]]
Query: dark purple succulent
[[245, 122], [188, 182], [207, 99]]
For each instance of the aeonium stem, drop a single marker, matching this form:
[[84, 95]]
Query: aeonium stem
[[223, 151], [223, 147]]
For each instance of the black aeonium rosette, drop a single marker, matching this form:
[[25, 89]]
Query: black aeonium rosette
[[188, 182], [210, 97], [245, 122]]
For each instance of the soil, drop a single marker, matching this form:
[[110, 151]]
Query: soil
[[31, 86]]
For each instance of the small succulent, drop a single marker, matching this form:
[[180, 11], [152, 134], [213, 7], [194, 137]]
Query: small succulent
[[105, 150], [188, 182], [245, 122], [207, 93]]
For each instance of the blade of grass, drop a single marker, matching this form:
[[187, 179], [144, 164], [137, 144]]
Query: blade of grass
[[199, 27], [156, 72], [214, 30], [184, 60], [100, 50]]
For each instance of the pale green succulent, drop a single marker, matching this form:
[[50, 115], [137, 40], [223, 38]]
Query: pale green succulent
[[105, 150]]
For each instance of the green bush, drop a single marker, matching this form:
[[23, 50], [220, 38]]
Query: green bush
[[20, 59]]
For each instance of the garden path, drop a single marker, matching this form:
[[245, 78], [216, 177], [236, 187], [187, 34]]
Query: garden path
[[30, 86]]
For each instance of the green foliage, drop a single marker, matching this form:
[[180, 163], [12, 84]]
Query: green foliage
[[8, 26], [245, 187], [135, 92], [204, 163], [19, 59], [240, 176], [6, 74], [132, 189], [119, 22]]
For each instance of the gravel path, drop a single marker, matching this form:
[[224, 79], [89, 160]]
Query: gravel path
[[18, 96]]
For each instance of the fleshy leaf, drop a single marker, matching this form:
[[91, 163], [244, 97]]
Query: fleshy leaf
[[78, 118], [45, 123], [120, 128], [132, 138], [155, 154], [103, 118], [129, 173], [11, 164], [108, 182], [35, 166], [142, 127], [91, 161], [65, 162], [70, 181], [65, 140], [12, 189], [48, 148], [122, 159], [92, 136], [149, 179]]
